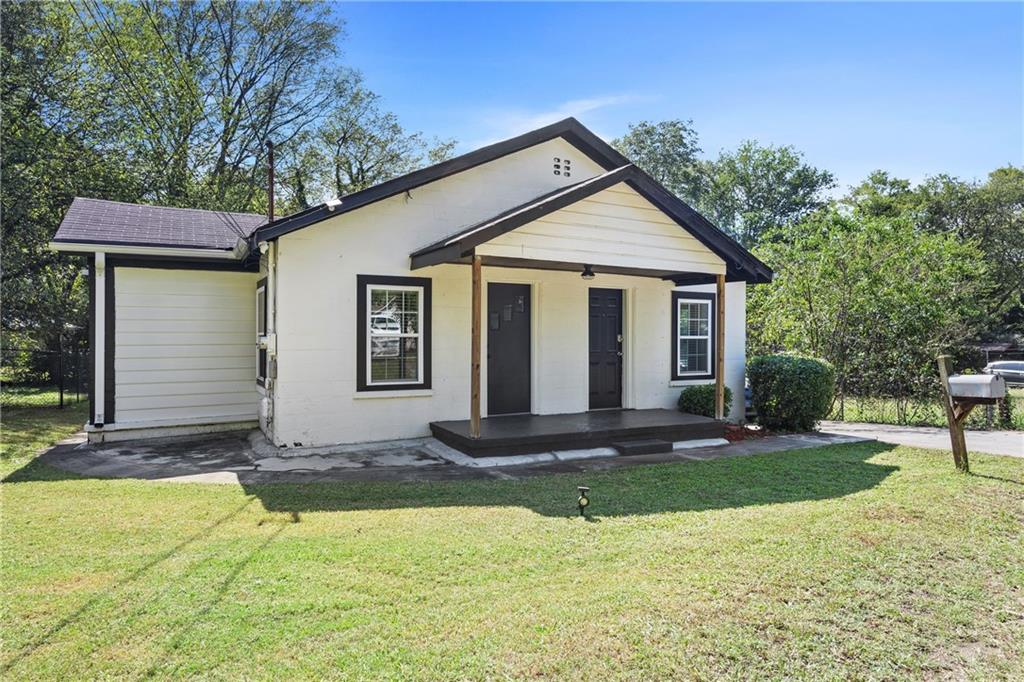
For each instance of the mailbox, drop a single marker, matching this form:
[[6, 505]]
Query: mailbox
[[977, 386]]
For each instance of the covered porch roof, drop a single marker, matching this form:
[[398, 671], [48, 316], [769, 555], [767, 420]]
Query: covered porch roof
[[722, 255]]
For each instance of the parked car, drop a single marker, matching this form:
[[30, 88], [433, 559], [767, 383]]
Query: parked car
[[1012, 371]]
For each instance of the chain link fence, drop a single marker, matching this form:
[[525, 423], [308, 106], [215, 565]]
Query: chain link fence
[[874, 400], [41, 378], [1008, 413]]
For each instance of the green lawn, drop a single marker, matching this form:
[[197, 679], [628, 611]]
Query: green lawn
[[858, 561], [24, 431]]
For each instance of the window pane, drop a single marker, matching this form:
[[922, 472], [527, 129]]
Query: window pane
[[693, 356], [394, 359], [261, 312], [394, 311], [698, 319]]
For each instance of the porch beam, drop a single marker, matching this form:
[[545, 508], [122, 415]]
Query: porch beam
[[720, 350], [474, 371]]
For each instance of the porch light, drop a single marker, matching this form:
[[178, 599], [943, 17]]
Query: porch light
[[587, 273], [583, 501]]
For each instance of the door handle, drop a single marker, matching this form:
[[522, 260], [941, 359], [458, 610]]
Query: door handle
[[619, 353]]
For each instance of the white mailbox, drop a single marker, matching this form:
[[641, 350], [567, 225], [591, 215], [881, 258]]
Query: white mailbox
[[977, 386]]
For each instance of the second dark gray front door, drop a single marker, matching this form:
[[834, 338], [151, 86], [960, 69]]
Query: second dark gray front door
[[508, 348], [605, 348]]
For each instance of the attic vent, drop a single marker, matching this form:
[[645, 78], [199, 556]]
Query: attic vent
[[562, 166]]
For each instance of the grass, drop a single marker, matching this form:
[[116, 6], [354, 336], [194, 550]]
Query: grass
[[924, 413], [24, 431], [38, 396], [849, 562]]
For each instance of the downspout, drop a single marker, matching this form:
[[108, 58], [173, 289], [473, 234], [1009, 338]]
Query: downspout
[[271, 381]]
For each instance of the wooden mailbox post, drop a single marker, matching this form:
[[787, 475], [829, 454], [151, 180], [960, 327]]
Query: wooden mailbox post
[[957, 407]]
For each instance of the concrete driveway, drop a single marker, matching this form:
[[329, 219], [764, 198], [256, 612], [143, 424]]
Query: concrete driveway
[[992, 442]]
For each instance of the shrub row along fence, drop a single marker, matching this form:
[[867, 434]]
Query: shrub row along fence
[[42, 378]]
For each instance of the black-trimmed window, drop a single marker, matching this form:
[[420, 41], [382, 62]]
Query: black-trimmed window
[[693, 335], [393, 333], [261, 331]]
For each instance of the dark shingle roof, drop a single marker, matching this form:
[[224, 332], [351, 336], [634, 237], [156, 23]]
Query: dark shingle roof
[[95, 221]]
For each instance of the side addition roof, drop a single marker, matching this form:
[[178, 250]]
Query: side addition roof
[[740, 263], [95, 221]]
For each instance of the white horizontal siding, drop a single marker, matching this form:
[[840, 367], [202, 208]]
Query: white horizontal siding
[[185, 345], [615, 227]]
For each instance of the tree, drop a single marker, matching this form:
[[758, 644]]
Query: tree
[[170, 103], [877, 297], [990, 215], [365, 145], [667, 151], [747, 192], [203, 86], [756, 189], [55, 135], [882, 195]]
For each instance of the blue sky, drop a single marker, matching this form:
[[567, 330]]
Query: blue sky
[[916, 89]]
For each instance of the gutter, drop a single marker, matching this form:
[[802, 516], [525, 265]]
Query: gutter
[[162, 251]]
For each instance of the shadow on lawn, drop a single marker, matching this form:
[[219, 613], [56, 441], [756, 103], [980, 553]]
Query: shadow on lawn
[[626, 489], [793, 476]]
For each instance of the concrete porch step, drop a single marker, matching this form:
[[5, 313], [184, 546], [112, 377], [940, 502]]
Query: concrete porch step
[[644, 446]]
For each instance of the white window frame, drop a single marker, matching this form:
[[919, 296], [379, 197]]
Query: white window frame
[[370, 288], [707, 303]]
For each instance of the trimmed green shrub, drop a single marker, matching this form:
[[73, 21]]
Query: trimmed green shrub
[[791, 392], [700, 400]]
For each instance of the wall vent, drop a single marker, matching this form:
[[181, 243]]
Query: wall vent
[[562, 166]]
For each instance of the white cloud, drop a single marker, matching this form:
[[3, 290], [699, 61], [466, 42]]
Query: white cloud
[[509, 123]]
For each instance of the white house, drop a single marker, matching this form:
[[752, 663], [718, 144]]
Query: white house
[[543, 275]]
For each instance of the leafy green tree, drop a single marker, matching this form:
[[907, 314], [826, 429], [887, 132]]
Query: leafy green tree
[[170, 103], [989, 214], [55, 135], [882, 195], [203, 86], [876, 297], [365, 144], [668, 152], [748, 192], [757, 189]]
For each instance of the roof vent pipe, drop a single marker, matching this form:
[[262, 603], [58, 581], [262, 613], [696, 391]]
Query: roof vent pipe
[[270, 181]]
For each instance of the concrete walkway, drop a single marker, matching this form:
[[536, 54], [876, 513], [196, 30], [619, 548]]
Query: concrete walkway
[[992, 442], [240, 458]]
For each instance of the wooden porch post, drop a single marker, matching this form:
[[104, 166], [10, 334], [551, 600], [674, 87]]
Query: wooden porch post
[[720, 350], [474, 372]]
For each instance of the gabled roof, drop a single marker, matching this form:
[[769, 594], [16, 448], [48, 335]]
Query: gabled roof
[[740, 263], [569, 129], [94, 221]]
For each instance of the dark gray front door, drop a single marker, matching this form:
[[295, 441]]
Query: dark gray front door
[[605, 348], [508, 348]]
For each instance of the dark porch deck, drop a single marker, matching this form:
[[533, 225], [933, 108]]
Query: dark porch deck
[[527, 433]]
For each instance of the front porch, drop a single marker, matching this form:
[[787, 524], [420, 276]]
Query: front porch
[[629, 431]]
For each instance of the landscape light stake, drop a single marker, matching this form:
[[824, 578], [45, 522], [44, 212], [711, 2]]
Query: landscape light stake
[[583, 501]]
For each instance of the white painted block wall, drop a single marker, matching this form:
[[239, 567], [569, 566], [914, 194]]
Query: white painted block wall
[[185, 346], [316, 402]]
